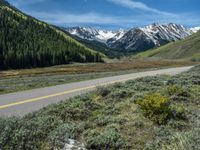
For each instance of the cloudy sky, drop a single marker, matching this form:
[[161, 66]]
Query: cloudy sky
[[112, 14]]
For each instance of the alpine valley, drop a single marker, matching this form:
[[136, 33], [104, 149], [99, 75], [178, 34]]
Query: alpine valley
[[26, 42]]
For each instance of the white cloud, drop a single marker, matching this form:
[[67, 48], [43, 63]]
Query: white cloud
[[90, 18], [139, 5], [23, 2], [62, 18], [66, 19]]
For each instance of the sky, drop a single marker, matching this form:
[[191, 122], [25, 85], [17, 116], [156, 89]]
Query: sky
[[112, 14]]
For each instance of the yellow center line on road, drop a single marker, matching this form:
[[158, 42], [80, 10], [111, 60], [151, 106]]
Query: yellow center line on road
[[61, 93]]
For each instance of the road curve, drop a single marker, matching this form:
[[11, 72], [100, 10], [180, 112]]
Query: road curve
[[22, 103]]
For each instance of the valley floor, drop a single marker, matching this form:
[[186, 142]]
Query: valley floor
[[160, 112], [19, 80]]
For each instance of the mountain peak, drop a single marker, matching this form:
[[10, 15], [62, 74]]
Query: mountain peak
[[135, 39], [92, 34], [151, 36]]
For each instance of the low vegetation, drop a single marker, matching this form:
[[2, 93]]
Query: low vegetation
[[159, 112], [18, 80]]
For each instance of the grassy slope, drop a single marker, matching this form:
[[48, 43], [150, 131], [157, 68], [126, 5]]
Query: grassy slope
[[188, 48], [115, 117]]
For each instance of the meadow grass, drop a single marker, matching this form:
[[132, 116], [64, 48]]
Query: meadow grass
[[25, 79]]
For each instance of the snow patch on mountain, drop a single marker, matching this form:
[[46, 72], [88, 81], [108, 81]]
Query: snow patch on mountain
[[118, 35], [89, 33], [195, 29], [151, 36], [105, 35], [136, 39], [169, 32]]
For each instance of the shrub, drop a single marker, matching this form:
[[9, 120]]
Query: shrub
[[110, 110], [104, 120], [175, 90], [75, 109], [156, 107], [109, 138], [178, 112], [102, 91], [60, 136], [185, 141], [7, 129], [118, 94], [179, 125]]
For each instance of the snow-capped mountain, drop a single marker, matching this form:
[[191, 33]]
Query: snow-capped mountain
[[136, 39], [195, 29], [155, 35], [92, 34], [118, 35]]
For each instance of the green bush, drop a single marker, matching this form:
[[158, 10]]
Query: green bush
[[178, 112], [175, 90], [185, 141], [102, 91], [156, 107], [105, 120], [75, 109], [120, 94], [109, 138], [60, 136], [179, 125]]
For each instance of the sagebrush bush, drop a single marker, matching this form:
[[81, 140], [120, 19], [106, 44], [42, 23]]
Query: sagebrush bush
[[102, 120], [109, 138], [185, 141], [102, 91], [119, 94], [175, 90], [60, 136]]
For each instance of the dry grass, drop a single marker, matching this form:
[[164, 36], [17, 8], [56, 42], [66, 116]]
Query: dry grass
[[20, 80], [113, 66]]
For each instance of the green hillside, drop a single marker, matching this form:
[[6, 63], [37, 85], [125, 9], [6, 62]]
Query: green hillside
[[188, 48], [26, 42]]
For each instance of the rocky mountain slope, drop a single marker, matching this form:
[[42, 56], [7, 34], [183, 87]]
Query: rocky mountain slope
[[155, 35], [92, 34], [136, 39]]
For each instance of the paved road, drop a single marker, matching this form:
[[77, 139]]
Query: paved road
[[21, 103]]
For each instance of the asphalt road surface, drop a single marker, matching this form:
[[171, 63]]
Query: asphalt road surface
[[22, 103]]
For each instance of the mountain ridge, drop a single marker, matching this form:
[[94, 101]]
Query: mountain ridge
[[138, 38], [94, 34]]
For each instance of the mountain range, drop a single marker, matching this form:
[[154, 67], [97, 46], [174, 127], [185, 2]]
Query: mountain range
[[92, 34], [136, 39]]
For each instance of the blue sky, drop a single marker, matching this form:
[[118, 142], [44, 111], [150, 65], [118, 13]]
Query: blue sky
[[112, 14]]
